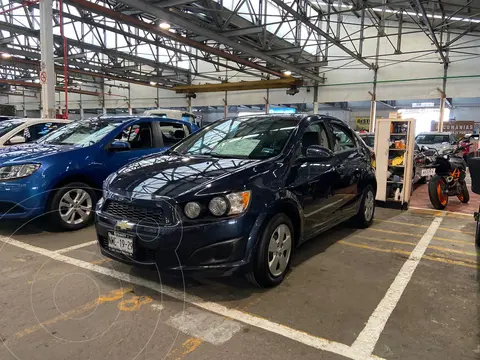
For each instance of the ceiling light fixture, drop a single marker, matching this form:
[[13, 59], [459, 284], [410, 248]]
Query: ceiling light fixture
[[287, 73], [164, 25], [6, 55], [153, 83]]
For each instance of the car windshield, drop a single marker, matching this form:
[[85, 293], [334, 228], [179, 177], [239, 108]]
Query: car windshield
[[425, 139], [81, 133], [248, 137], [8, 125], [369, 140]]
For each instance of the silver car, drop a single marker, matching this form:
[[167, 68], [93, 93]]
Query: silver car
[[440, 141]]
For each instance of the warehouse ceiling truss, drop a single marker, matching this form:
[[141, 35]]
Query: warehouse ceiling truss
[[208, 41]]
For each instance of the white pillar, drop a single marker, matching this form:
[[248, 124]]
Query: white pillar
[[47, 71]]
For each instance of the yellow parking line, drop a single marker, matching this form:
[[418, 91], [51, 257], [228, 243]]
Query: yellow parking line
[[362, 246], [441, 248], [424, 226], [402, 252], [419, 236], [111, 296], [387, 240]]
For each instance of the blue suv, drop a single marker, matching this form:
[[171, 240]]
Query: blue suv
[[62, 173]]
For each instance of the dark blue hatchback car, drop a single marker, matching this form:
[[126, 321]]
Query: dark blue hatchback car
[[240, 194]]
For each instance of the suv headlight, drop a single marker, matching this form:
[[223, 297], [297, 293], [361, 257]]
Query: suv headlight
[[17, 171]]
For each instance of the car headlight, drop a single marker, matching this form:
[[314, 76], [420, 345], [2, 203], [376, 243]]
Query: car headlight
[[238, 202], [231, 204], [218, 206], [17, 171], [192, 210]]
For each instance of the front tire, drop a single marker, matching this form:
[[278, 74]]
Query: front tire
[[364, 217], [273, 254], [437, 196], [72, 207], [464, 195]]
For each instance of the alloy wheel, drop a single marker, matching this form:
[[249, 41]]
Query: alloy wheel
[[75, 206], [279, 250], [369, 205]]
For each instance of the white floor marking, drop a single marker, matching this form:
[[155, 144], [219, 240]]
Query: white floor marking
[[368, 338], [249, 319], [75, 247], [204, 325]]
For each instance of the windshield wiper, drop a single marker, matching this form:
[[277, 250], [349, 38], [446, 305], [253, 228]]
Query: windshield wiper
[[224, 156]]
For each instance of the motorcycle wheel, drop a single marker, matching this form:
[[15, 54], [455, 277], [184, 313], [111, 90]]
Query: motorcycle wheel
[[464, 195], [437, 197]]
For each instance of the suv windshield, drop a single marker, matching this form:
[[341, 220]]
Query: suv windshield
[[81, 133], [249, 137], [8, 125], [432, 139]]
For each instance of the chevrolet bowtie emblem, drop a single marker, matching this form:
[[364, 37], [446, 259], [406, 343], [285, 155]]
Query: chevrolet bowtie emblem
[[124, 225]]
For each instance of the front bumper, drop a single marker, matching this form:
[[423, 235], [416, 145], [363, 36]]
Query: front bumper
[[21, 199], [217, 248]]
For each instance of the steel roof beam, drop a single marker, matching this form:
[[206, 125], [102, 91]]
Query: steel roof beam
[[432, 32], [188, 25], [327, 36]]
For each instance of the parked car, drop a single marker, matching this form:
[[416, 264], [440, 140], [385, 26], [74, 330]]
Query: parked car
[[59, 174], [437, 140], [369, 139], [239, 195], [22, 131]]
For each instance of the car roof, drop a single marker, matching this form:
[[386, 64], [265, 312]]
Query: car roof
[[366, 134], [434, 133], [34, 120], [125, 118]]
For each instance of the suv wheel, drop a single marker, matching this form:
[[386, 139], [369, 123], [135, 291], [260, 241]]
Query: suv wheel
[[273, 255], [73, 206]]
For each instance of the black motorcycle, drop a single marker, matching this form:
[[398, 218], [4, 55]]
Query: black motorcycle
[[449, 178]]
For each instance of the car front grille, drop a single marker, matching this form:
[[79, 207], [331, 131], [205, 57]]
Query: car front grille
[[134, 213]]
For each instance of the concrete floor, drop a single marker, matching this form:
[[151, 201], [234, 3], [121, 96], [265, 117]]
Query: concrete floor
[[342, 299]]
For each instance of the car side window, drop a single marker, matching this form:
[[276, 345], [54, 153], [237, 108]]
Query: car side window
[[34, 132], [139, 136], [173, 132], [315, 134], [343, 138]]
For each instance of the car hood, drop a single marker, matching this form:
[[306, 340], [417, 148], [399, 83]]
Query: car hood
[[438, 146], [31, 152], [181, 176]]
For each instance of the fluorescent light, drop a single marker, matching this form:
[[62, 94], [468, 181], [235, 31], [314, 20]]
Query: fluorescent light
[[164, 25], [6, 55], [153, 83], [287, 73], [37, 81]]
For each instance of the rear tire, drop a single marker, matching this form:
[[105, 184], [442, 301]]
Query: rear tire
[[273, 255], [72, 207], [366, 212], [438, 199], [464, 195]]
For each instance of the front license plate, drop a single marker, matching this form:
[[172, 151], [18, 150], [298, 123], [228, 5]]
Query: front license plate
[[428, 172], [120, 242]]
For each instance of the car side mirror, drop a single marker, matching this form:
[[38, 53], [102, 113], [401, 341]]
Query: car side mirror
[[119, 145], [16, 140], [318, 152]]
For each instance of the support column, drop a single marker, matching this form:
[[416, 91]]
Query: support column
[[24, 105], [315, 98], [189, 104], [267, 102], [373, 104], [47, 72], [443, 96], [225, 105], [130, 111]]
